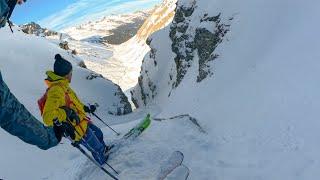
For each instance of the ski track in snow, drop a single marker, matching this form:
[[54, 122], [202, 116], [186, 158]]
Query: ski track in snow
[[141, 158], [260, 109]]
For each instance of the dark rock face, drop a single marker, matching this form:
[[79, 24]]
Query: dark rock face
[[36, 29], [126, 109], [82, 64], [74, 52], [206, 42], [133, 99], [194, 37], [143, 94], [147, 89], [124, 32], [179, 26], [64, 45], [185, 42], [93, 76]]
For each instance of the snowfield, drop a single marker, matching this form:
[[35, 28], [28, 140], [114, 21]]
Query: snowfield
[[24, 61], [120, 63], [260, 106], [253, 117], [106, 25]]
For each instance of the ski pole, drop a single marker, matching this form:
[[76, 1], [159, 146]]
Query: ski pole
[[112, 168], [105, 162], [105, 123], [76, 145], [11, 5], [97, 153]]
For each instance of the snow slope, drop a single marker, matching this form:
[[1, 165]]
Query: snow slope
[[24, 61], [123, 66], [259, 101], [119, 63], [105, 26], [246, 96], [142, 158]]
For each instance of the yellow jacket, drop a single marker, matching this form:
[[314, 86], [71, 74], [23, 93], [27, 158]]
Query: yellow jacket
[[58, 87]]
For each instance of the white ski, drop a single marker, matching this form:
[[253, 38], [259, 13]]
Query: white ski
[[170, 164], [179, 173]]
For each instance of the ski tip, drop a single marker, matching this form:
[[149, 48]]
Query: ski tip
[[179, 153]]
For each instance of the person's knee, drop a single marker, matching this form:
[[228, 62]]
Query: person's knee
[[92, 139], [88, 135], [97, 131]]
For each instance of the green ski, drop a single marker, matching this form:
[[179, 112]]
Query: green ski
[[130, 135], [139, 128]]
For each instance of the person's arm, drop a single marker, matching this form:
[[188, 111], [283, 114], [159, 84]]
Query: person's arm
[[11, 4], [18, 121], [4, 9]]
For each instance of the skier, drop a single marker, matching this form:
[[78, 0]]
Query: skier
[[62, 106], [14, 117]]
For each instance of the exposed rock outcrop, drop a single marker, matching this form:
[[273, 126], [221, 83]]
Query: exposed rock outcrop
[[36, 29], [193, 39]]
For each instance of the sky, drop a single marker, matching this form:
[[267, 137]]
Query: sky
[[60, 14]]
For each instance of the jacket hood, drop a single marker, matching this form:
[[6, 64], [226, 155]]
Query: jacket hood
[[53, 78]]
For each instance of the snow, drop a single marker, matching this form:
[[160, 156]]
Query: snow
[[120, 63], [24, 61], [180, 173], [259, 110], [260, 106], [175, 160], [102, 27], [142, 158]]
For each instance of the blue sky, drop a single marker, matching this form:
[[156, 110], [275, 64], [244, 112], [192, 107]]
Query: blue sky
[[59, 14]]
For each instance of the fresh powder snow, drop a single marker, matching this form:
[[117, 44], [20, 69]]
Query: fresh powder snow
[[254, 115]]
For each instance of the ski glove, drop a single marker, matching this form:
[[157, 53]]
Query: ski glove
[[63, 129], [90, 108], [71, 115]]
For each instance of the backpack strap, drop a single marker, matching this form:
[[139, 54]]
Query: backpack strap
[[69, 102]]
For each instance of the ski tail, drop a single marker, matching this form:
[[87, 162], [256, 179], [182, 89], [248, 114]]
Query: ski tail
[[170, 164], [131, 134], [139, 128], [179, 173]]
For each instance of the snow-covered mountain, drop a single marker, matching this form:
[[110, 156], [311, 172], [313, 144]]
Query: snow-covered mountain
[[191, 42], [34, 64], [231, 84], [24, 61], [113, 29], [36, 29], [248, 72], [119, 63], [123, 65]]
